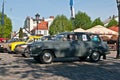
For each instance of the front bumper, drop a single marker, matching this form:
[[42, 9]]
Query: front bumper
[[19, 50]]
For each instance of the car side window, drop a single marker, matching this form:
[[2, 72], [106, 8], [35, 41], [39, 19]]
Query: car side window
[[64, 39], [95, 38], [85, 37], [76, 37], [72, 37]]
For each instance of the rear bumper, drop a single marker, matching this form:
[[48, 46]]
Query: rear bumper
[[108, 52]]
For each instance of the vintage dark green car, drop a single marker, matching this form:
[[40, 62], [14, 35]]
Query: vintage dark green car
[[69, 44]]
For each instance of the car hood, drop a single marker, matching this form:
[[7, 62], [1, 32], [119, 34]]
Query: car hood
[[15, 43], [41, 42]]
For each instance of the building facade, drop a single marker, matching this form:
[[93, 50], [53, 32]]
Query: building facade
[[41, 29], [106, 22], [30, 24]]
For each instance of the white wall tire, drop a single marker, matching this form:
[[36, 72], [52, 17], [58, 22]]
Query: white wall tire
[[46, 57], [95, 56]]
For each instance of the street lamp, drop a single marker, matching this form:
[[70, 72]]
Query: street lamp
[[37, 20], [118, 44]]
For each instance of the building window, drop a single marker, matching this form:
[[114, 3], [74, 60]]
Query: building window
[[34, 22], [39, 32], [45, 32]]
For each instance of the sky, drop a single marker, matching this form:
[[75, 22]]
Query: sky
[[18, 10]]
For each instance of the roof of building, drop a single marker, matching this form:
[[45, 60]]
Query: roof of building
[[114, 28], [43, 25], [110, 18]]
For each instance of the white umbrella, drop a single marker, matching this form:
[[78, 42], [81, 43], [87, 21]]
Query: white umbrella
[[79, 30], [101, 30]]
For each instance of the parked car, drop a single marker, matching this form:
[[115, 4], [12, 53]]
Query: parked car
[[1, 48], [28, 40], [4, 44], [21, 48], [80, 45]]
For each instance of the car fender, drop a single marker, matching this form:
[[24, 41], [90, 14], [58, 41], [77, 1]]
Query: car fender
[[97, 50], [46, 49]]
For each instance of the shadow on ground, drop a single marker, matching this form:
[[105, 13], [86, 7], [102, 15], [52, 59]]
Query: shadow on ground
[[27, 68]]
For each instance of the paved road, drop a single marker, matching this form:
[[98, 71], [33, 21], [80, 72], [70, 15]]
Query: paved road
[[15, 67]]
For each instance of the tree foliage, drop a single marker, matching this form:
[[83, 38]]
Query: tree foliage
[[112, 22], [96, 22], [21, 33], [5, 30], [82, 20], [60, 24]]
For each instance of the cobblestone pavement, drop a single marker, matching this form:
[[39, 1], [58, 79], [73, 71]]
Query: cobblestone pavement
[[15, 67]]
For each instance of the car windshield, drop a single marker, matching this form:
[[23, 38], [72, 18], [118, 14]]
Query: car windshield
[[46, 38], [59, 37]]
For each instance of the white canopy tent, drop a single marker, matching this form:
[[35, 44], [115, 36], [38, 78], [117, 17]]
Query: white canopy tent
[[101, 30], [79, 30]]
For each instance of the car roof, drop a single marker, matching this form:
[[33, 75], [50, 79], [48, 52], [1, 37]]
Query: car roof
[[65, 33]]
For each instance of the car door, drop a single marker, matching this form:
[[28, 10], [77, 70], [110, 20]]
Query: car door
[[82, 45], [63, 48]]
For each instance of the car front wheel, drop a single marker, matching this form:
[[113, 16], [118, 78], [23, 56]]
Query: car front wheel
[[26, 53], [95, 56], [46, 57]]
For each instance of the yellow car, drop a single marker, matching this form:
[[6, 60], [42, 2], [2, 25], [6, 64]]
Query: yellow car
[[28, 40]]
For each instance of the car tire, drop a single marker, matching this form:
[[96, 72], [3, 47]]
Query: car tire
[[95, 56], [46, 57], [26, 53]]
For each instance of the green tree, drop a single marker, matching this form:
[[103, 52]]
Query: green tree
[[21, 33], [96, 22], [6, 30], [82, 20], [112, 22], [60, 24]]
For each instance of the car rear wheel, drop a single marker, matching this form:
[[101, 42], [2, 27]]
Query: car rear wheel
[[95, 56], [46, 57]]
